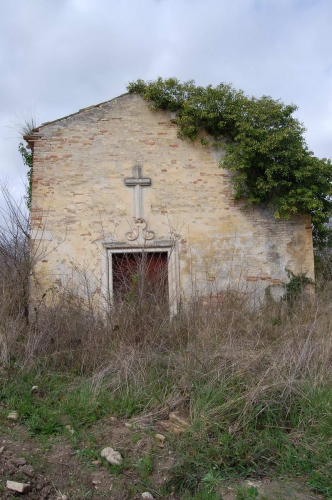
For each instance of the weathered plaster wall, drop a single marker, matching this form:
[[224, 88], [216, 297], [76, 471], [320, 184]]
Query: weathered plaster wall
[[80, 200]]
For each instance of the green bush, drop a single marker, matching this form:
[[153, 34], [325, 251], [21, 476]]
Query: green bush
[[265, 146]]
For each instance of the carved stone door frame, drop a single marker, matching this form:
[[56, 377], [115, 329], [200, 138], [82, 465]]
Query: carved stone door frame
[[168, 246]]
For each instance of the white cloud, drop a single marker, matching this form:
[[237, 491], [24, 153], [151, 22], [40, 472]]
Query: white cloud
[[62, 55]]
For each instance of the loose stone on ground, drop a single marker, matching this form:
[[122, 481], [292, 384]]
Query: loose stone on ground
[[18, 487], [176, 423], [147, 496], [13, 415], [113, 457]]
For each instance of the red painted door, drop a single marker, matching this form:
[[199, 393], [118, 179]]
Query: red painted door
[[141, 276]]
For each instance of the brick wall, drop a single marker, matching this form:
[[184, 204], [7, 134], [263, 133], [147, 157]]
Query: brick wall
[[80, 201]]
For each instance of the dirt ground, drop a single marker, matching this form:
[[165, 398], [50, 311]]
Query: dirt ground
[[61, 468]]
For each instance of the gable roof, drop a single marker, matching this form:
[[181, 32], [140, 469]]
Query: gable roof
[[34, 135]]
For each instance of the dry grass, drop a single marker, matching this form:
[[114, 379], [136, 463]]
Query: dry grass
[[233, 369], [271, 348]]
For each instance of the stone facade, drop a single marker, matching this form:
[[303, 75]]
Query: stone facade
[[84, 208]]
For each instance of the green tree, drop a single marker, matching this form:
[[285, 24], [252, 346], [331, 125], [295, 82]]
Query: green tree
[[265, 146]]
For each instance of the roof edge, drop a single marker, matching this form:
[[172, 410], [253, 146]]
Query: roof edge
[[45, 124]]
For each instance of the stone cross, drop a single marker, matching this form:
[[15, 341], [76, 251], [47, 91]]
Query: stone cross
[[138, 182]]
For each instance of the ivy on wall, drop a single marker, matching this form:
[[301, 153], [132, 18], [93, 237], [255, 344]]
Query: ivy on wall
[[27, 157], [265, 146]]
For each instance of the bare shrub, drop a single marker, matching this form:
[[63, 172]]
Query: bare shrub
[[15, 266], [14, 254], [263, 356]]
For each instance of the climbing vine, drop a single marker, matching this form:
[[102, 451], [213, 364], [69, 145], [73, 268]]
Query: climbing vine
[[296, 286], [27, 157], [264, 142]]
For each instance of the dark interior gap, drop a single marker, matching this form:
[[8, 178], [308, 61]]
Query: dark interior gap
[[140, 276]]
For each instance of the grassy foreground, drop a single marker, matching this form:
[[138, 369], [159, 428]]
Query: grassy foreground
[[255, 386]]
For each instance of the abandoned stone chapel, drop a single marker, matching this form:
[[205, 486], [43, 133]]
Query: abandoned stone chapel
[[115, 191]]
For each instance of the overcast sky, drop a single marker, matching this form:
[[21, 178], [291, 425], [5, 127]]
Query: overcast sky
[[57, 56]]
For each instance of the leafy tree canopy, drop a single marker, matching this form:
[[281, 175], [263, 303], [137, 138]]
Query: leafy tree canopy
[[265, 146]]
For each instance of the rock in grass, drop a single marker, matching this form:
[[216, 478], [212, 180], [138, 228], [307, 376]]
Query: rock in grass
[[147, 496], [176, 423], [179, 419], [160, 437], [13, 415], [113, 457], [27, 471], [18, 462], [18, 487]]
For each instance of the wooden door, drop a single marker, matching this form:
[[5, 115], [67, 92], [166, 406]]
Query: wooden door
[[140, 276]]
